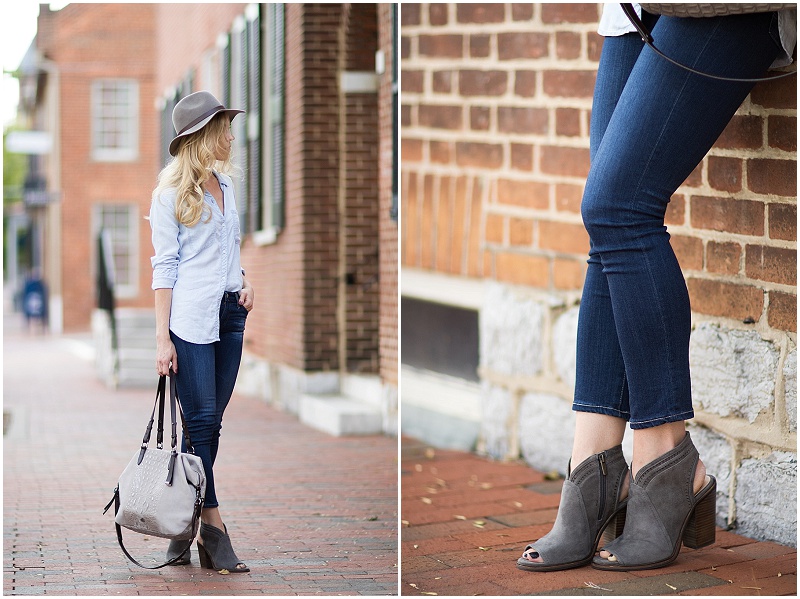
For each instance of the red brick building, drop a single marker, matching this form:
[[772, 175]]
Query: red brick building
[[316, 198], [96, 101]]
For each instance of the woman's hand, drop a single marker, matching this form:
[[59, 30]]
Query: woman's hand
[[246, 296], [166, 356]]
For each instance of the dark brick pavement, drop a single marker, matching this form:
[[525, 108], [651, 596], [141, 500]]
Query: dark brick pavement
[[310, 514], [466, 520]]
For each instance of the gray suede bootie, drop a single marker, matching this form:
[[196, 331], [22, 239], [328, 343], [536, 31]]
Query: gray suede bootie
[[589, 505], [662, 511], [182, 549]]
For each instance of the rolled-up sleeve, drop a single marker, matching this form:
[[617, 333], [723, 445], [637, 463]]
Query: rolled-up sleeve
[[165, 228]]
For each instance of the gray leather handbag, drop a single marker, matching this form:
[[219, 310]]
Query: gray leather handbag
[[713, 9], [160, 493]]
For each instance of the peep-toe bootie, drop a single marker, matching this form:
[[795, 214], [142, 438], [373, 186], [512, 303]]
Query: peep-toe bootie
[[663, 510], [590, 504], [216, 552], [182, 549]]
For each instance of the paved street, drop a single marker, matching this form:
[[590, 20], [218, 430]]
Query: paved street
[[466, 520], [309, 513]]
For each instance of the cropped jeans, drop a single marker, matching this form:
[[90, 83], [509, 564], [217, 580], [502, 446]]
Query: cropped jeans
[[652, 123], [205, 379]]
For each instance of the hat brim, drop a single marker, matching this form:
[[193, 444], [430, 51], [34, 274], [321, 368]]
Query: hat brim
[[173, 145]]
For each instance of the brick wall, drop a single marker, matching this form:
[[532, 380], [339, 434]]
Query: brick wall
[[315, 155], [85, 182], [496, 104], [184, 32], [388, 228], [496, 100], [359, 193]]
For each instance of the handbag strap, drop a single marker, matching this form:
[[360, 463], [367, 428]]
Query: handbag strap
[[198, 506], [173, 390], [149, 430], [174, 408], [644, 32]]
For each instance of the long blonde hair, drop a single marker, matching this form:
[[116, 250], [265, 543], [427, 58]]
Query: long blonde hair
[[192, 166]]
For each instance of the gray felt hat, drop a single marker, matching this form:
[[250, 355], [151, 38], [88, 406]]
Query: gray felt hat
[[193, 113]]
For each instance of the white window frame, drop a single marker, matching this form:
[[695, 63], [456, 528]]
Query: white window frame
[[128, 117], [128, 289]]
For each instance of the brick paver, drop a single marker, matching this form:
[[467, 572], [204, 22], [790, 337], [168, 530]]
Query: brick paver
[[466, 520], [309, 513]]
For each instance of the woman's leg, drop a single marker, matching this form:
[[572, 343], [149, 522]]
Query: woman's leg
[[601, 393], [664, 123], [197, 395], [601, 390], [227, 358]]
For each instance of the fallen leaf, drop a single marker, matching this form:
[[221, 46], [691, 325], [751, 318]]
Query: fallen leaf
[[438, 578], [779, 574], [411, 584], [441, 482], [372, 518], [517, 504], [486, 485], [754, 588], [457, 517], [430, 453], [224, 571], [405, 523], [432, 490], [427, 500], [592, 585], [672, 587], [426, 593], [479, 523], [484, 548], [418, 467], [416, 546], [552, 475]]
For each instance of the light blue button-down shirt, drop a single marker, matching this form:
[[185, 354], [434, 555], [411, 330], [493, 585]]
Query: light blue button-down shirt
[[198, 263]]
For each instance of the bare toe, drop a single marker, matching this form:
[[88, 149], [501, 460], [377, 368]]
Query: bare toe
[[532, 556]]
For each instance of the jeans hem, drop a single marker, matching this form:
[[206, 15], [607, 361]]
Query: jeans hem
[[664, 420], [580, 407]]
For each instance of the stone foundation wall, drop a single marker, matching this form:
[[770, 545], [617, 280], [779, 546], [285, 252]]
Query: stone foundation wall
[[744, 388]]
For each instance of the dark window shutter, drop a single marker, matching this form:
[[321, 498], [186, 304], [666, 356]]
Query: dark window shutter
[[225, 70], [253, 76], [277, 79]]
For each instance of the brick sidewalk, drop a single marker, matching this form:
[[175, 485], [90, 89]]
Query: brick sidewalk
[[309, 513], [466, 520]]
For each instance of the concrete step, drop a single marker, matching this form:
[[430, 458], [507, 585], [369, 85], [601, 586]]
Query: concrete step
[[139, 378], [340, 416]]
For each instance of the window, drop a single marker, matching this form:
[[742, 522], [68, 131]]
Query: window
[[115, 120], [249, 61], [256, 83], [440, 338], [273, 122], [119, 223]]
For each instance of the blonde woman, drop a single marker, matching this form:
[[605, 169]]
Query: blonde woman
[[201, 296]]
